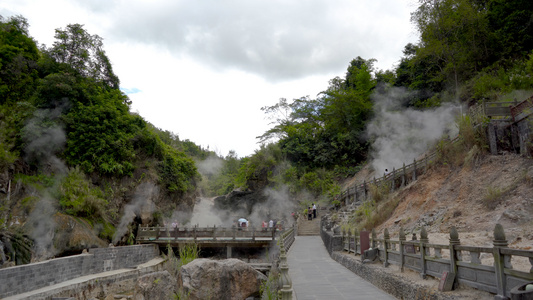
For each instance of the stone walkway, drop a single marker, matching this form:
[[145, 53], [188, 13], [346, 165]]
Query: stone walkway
[[316, 276]]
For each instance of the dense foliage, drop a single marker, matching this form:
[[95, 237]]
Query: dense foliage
[[62, 114]]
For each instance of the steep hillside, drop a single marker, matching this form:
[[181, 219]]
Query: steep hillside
[[497, 189]]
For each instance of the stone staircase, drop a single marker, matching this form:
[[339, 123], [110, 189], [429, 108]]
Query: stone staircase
[[306, 227]]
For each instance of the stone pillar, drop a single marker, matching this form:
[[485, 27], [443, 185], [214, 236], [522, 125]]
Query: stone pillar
[[492, 139], [500, 262], [423, 252], [454, 240], [364, 190], [228, 251], [401, 245], [386, 239], [414, 169], [392, 179], [285, 282], [404, 176]]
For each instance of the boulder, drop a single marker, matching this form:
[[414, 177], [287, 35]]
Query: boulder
[[219, 279], [156, 286]]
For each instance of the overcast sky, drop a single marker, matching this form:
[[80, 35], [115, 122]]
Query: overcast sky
[[204, 68]]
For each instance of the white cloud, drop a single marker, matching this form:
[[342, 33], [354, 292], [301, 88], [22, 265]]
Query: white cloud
[[203, 69]]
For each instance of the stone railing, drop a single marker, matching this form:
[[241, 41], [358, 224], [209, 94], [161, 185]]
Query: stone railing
[[287, 236], [24, 278], [397, 178], [494, 273], [151, 234]]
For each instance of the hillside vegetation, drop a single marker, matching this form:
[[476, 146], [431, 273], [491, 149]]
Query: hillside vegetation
[[72, 153], [78, 169]]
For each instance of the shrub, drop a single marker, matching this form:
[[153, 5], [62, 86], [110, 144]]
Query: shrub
[[78, 198], [379, 192], [492, 197]]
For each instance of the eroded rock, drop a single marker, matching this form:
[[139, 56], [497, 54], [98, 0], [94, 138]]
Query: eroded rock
[[155, 286], [219, 279]]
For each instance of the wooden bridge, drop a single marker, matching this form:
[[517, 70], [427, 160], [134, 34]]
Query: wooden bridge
[[206, 237]]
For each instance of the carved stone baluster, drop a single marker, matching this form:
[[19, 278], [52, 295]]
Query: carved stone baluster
[[474, 258], [438, 253]]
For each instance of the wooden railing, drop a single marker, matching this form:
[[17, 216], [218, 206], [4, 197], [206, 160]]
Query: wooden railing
[[497, 276]]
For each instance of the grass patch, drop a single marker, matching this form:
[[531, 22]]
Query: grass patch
[[492, 197]]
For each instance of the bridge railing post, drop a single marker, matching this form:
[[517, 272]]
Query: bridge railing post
[[500, 261], [386, 240], [401, 241]]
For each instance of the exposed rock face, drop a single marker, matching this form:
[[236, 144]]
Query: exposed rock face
[[155, 286], [219, 279], [243, 201]]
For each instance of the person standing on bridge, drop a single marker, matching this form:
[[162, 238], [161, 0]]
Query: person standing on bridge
[[270, 224]]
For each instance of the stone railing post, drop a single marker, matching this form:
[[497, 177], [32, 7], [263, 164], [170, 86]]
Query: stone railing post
[[454, 241], [349, 240], [374, 239], [386, 239], [364, 190], [423, 252], [355, 235], [500, 261], [393, 177], [285, 282], [401, 244], [404, 175], [414, 169]]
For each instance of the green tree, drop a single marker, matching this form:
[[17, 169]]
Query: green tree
[[512, 26], [84, 53], [18, 60], [453, 37]]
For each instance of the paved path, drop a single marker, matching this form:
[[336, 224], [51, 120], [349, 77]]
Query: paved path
[[316, 276]]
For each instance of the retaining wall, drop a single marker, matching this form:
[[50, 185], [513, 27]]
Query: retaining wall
[[24, 278]]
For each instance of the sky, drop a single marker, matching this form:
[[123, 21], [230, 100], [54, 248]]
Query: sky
[[203, 69]]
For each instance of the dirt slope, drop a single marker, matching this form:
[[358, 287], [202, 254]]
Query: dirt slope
[[458, 196]]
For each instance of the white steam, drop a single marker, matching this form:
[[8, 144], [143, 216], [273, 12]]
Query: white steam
[[141, 205], [205, 215], [210, 166], [44, 138], [401, 135]]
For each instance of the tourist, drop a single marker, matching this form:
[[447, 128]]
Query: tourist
[[309, 213], [271, 223], [243, 222], [314, 211]]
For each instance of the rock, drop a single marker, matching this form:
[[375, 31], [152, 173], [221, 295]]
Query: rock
[[219, 279], [158, 285]]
